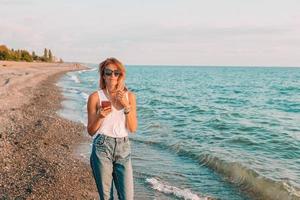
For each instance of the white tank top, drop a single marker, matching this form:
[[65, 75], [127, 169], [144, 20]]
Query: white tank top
[[114, 123]]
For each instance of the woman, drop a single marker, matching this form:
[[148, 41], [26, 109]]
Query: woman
[[109, 124]]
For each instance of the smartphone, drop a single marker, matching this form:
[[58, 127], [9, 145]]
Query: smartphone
[[105, 104]]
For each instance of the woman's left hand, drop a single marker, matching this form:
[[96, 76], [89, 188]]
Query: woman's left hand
[[121, 97]]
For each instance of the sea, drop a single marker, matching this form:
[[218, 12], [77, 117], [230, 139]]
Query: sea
[[205, 132]]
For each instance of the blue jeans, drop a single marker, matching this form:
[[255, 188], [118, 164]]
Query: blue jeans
[[111, 162]]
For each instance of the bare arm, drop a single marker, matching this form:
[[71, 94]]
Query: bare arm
[[131, 117], [95, 120]]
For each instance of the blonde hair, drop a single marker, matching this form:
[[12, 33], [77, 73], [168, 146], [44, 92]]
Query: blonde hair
[[115, 62]]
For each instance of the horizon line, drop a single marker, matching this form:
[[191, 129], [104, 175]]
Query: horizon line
[[193, 65]]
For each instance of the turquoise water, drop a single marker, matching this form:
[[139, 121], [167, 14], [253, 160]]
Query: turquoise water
[[223, 132]]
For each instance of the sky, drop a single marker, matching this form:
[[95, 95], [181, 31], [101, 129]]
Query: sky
[[157, 32]]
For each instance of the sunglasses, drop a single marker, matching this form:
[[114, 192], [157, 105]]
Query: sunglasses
[[109, 72]]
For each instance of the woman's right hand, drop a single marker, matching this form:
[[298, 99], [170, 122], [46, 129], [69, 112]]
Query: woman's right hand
[[103, 112]]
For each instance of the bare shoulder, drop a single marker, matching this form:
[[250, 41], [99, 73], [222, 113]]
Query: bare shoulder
[[131, 95], [93, 97]]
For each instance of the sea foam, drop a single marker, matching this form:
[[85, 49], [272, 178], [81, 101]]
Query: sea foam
[[168, 189]]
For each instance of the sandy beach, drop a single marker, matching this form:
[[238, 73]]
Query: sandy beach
[[36, 158]]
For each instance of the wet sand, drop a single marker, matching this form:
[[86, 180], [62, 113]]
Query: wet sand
[[36, 145]]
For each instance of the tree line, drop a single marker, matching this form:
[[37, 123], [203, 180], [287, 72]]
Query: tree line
[[24, 55]]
